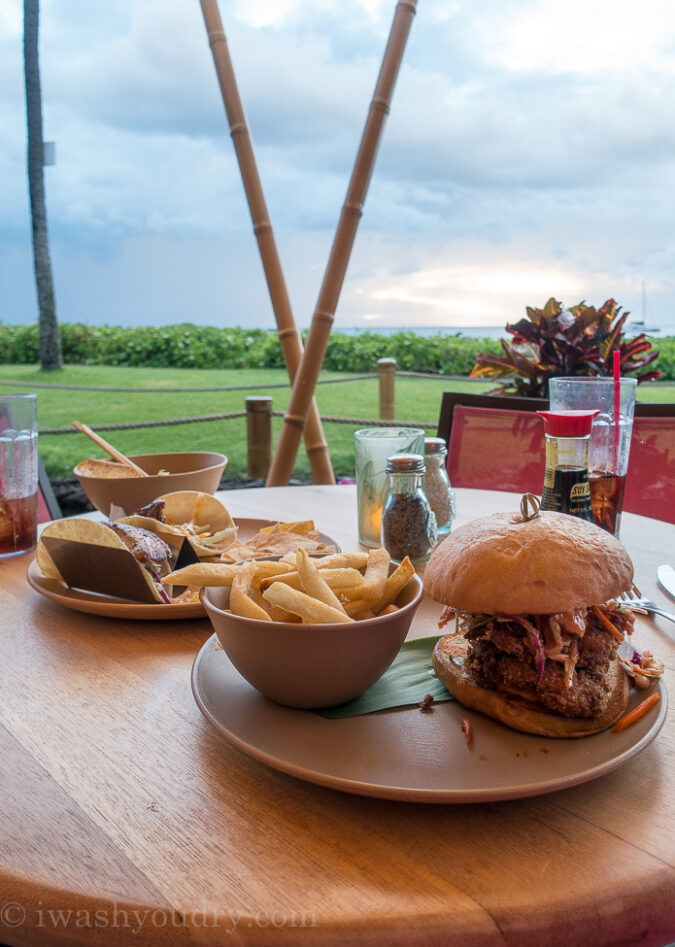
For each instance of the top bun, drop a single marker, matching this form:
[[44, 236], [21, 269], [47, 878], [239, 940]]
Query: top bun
[[551, 563]]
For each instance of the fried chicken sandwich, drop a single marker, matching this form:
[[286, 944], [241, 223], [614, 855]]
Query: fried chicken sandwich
[[536, 621]]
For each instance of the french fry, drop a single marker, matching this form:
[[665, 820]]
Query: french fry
[[309, 609], [395, 584], [280, 614], [392, 589], [335, 560], [374, 578], [241, 597], [343, 560], [344, 578], [312, 583], [219, 574], [270, 572], [334, 578], [359, 610], [388, 609], [353, 608], [203, 573]]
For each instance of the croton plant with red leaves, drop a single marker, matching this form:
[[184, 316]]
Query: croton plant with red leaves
[[556, 341]]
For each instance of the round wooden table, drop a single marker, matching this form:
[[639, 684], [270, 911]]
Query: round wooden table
[[126, 819]]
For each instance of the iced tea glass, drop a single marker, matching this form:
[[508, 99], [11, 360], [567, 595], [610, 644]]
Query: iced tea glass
[[609, 447], [372, 446], [18, 473]]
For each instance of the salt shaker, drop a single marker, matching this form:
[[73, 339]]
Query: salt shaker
[[437, 487], [408, 522]]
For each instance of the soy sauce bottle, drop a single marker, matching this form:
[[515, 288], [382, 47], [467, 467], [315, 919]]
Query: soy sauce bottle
[[566, 485]]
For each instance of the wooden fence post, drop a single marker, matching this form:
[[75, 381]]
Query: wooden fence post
[[259, 434], [387, 371]]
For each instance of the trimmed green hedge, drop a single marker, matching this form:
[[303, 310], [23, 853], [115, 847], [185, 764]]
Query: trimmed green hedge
[[190, 346]]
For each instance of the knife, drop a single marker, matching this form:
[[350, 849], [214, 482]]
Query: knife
[[666, 576]]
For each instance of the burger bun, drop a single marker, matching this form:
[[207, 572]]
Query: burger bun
[[548, 564]]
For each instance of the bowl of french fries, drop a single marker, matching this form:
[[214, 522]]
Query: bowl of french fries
[[311, 632]]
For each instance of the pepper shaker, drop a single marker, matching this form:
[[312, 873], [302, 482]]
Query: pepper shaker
[[408, 522], [437, 487]]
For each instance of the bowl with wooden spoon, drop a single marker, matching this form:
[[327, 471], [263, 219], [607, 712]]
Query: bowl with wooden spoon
[[109, 483], [128, 483]]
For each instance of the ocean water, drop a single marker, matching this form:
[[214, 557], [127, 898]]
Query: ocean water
[[481, 332], [484, 332]]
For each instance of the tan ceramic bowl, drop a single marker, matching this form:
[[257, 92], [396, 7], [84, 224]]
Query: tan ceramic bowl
[[197, 470], [311, 665]]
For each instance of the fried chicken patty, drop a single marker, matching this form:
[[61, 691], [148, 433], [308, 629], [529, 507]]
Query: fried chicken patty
[[501, 657]]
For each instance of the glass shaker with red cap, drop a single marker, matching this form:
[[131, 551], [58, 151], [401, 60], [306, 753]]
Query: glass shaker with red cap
[[566, 486]]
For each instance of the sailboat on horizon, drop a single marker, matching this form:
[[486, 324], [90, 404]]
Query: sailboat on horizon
[[639, 325]]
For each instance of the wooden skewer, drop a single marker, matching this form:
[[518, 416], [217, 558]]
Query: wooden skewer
[[108, 448]]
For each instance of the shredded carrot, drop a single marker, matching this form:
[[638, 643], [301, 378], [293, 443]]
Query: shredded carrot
[[612, 629], [466, 730], [636, 713]]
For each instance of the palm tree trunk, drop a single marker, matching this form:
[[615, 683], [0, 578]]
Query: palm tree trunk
[[50, 340]]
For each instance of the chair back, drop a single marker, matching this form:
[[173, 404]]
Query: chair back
[[495, 449], [650, 482]]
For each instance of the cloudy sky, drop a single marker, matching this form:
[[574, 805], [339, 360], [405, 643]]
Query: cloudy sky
[[529, 153]]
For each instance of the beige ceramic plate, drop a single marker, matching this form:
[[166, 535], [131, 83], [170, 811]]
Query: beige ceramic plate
[[95, 604], [406, 754]]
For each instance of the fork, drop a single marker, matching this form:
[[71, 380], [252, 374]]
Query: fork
[[636, 598]]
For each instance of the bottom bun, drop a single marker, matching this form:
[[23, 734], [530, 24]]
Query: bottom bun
[[517, 712]]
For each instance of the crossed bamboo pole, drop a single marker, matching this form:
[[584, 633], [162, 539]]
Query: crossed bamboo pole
[[291, 344], [304, 384]]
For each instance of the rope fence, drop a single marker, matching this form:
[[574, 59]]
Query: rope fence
[[258, 411], [187, 391], [132, 426], [367, 422]]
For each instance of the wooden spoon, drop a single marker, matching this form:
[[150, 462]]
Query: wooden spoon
[[108, 448]]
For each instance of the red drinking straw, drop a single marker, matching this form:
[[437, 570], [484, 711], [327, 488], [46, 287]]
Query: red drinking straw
[[617, 406]]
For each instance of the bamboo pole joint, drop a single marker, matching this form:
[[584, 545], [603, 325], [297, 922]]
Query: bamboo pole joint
[[324, 316], [354, 208], [379, 103], [288, 331]]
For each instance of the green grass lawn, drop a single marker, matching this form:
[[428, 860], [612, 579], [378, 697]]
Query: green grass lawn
[[417, 399]]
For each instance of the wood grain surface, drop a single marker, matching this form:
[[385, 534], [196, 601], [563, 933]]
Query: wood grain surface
[[126, 819]]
